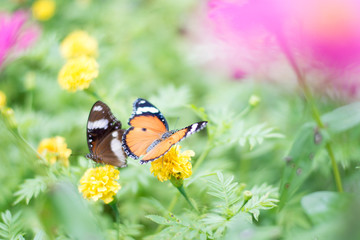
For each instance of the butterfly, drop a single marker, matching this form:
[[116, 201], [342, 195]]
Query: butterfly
[[149, 136], [104, 136]]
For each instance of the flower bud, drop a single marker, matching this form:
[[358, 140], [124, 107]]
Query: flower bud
[[9, 116], [247, 195], [254, 100]]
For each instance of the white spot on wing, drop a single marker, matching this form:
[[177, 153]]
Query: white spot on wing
[[146, 109], [116, 148], [97, 108], [114, 134], [193, 128], [102, 123], [142, 101]]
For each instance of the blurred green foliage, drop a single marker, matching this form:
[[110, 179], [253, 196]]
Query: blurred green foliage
[[142, 54]]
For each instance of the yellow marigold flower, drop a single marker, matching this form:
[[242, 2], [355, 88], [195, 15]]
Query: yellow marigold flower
[[173, 163], [2, 99], [78, 73], [43, 9], [55, 150], [79, 43], [100, 183]]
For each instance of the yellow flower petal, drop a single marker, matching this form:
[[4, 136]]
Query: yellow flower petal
[[93, 186], [79, 43], [55, 150], [173, 163], [43, 9], [2, 99], [78, 73]]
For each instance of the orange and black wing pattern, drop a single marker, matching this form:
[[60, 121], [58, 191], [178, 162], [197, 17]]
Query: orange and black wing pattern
[[147, 125], [149, 136], [163, 145]]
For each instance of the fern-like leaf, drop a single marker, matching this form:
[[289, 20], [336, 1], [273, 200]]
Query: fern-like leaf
[[40, 235], [225, 191], [10, 228], [264, 198], [256, 135], [31, 188], [186, 228]]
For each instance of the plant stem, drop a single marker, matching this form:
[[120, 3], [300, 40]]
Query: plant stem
[[335, 168], [203, 155], [170, 208], [173, 202], [310, 99], [182, 191], [117, 217], [91, 92]]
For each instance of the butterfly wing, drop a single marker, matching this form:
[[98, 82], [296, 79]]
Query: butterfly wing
[[110, 151], [100, 126], [149, 135], [142, 107], [163, 146], [147, 125]]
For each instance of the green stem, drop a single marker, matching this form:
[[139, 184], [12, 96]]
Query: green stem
[[335, 168], [317, 118], [173, 202], [11, 125], [91, 91], [170, 208], [117, 217], [309, 98], [182, 191], [203, 155]]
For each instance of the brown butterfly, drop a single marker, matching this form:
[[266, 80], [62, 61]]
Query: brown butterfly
[[104, 136], [149, 136]]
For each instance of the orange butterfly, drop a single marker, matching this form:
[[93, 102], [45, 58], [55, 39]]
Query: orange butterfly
[[149, 136]]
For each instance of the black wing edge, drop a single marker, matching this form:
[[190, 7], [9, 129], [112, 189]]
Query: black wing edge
[[143, 103], [116, 123], [193, 128], [125, 147]]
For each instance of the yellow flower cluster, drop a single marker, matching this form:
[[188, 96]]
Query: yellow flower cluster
[[100, 183], [43, 9], [81, 67], [2, 99], [173, 163], [79, 43], [78, 73], [55, 150]]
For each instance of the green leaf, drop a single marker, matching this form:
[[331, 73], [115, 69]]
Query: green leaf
[[31, 188], [264, 198], [11, 226], [200, 112], [40, 235], [322, 206], [257, 134], [72, 213], [225, 190], [240, 227], [128, 230], [342, 118], [299, 160], [159, 220]]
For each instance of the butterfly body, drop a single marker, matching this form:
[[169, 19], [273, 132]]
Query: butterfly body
[[104, 136], [149, 136]]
